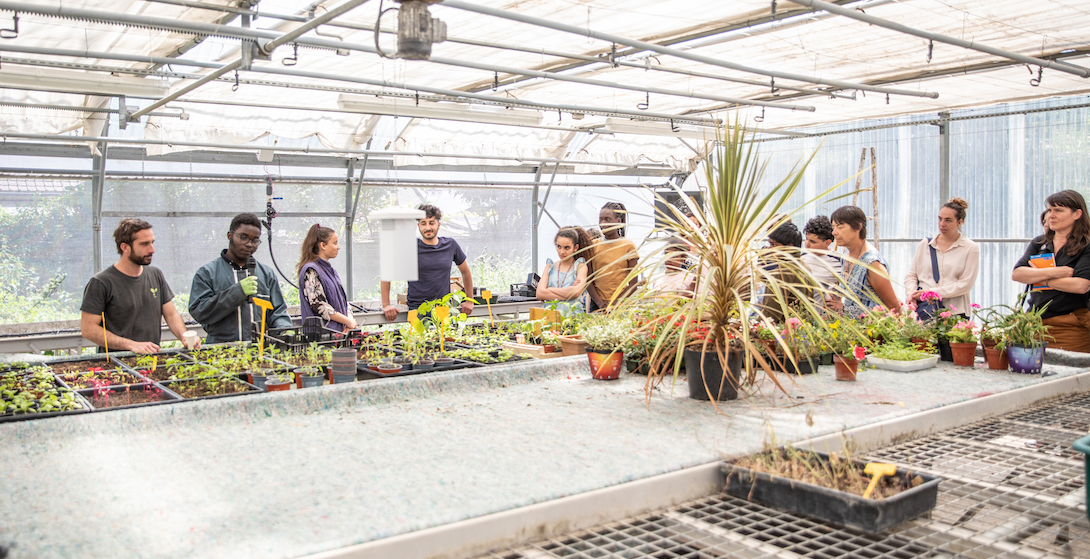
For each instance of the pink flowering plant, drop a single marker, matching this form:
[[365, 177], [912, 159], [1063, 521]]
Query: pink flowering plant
[[963, 332], [941, 325], [912, 327]]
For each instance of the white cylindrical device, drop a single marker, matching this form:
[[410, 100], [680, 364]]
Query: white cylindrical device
[[397, 243]]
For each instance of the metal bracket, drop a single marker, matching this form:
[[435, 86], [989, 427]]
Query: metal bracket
[[14, 31], [124, 113]]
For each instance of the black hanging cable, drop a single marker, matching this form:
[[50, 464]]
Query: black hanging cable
[[760, 118], [930, 49], [235, 87], [294, 58], [495, 81], [646, 104], [270, 213], [1040, 73]]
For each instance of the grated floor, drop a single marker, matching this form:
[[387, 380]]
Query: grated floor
[[1012, 488]]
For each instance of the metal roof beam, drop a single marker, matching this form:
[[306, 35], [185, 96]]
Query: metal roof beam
[[255, 34], [675, 52], [288, 37], [972, 45]]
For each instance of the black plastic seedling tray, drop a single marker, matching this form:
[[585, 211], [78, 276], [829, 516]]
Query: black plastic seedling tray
[[170, 386], [165, 397], [365, 373], [837, 507], [7, 417]]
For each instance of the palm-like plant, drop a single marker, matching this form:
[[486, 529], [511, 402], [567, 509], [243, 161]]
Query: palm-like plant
[[724, 237]]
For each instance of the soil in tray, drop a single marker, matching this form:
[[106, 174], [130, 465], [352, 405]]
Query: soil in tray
[[199, 388], [841, 473], [80, 366], [88, 379], [120, 398]]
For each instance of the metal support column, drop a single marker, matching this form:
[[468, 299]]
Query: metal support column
[[944, 158], [535, 216], [353, 203], [348, 228], [98, 184]]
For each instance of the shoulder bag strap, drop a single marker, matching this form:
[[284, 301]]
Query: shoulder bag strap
[[934, 262]]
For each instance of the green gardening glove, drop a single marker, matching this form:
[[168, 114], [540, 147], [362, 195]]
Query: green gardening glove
[[249, 285]]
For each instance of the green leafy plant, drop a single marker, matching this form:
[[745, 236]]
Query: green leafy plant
[[607, 332], [963, 332], [900, 350]]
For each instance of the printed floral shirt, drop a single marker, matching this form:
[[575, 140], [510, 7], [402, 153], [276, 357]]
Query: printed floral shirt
[[314, 294], [855, 279]]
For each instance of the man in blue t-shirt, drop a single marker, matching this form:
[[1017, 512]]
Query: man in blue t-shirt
[[434, 254]]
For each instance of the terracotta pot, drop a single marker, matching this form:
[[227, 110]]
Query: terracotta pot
[[846, 367], [988, 343], [605, 364], [549, 348], [964, 354], [573, 345], [921, 343], [997, 360]]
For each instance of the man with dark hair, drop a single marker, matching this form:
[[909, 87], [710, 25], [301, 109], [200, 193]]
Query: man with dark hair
[[131, 295], [221, 297], [825, 265], [785, 235], [434, 254]]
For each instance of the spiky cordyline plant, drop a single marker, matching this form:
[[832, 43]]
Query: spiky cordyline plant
[[724, 236]]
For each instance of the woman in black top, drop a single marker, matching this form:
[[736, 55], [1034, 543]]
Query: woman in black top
[[1068, 239]]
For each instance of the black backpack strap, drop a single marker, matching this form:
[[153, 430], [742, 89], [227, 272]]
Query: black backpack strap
[[934, 262]]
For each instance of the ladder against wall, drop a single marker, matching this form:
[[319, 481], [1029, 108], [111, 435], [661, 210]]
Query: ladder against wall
[[873, 188]]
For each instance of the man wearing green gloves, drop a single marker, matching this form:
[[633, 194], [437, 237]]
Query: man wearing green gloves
[[221, 297]]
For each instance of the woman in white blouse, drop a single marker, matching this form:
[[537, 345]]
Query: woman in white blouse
[[956, 262]]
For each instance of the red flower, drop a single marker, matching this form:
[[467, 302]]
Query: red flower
[[859, 353]]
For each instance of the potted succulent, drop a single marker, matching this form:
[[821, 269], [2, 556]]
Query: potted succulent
[[963, 342], [1025, 340], [606, 335], [709, 331]]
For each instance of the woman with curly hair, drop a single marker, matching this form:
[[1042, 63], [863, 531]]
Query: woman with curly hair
[[566, 280]]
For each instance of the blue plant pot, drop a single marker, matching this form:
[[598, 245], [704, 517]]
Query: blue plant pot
[[1027, 360], [338, 378]]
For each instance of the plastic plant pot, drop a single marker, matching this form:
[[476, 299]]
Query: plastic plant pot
[[277, 385], [424, 365], [257, 378], [309, 377], [340, 378], [964, 354], [713, 381], [1027, 360], [605, 364], [389, 368], [806, 366], [572, 345], [945, 354], [826, 358]]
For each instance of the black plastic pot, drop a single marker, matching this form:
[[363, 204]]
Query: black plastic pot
[[830, 505], [806, 366], [711, 378], [826, 358], [945, 353]]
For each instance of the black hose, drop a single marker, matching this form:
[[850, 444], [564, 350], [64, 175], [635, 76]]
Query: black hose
[[270, 213]]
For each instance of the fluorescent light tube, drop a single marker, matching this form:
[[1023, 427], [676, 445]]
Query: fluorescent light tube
[[625, 126], [443, 111], [66, 81]]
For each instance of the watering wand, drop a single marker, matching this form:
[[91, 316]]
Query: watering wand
[[266, 306], [877, 469]]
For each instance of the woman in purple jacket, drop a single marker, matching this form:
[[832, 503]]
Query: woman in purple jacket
[[321, 292]]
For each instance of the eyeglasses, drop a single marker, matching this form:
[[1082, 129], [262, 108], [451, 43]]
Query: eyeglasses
[[256, 241]]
